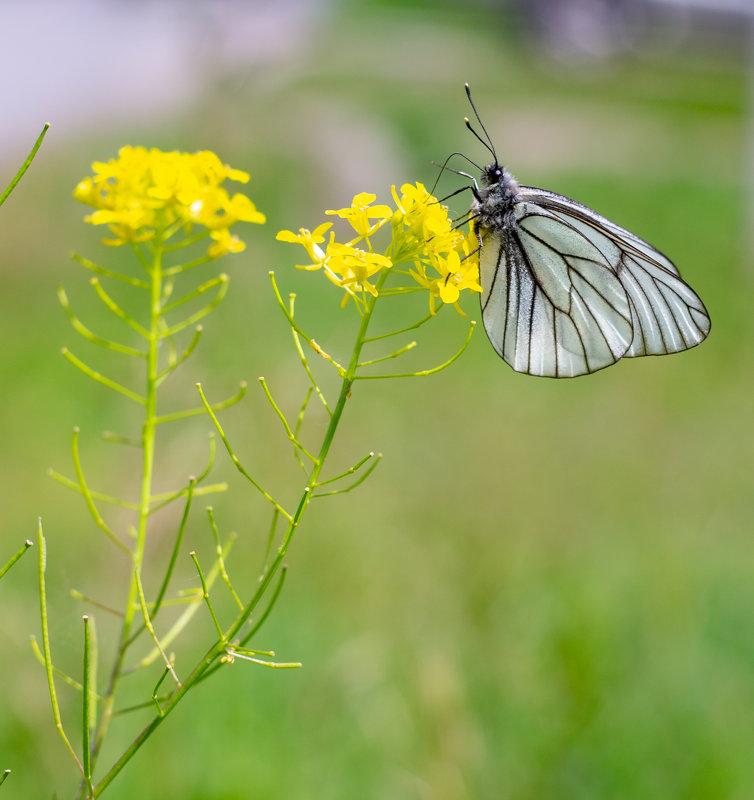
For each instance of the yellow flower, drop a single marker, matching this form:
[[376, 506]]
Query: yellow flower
[[145, 191], [225, 242], [310, 240], [359, 214], [444, 260], [354, 266], [457, 275], [457, 272], [421, 225]]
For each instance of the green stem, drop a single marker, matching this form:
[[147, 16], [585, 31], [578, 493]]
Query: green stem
[[49, 669], [20, 174], [348, 378], [26, 545], [148, 446], [87, 695]]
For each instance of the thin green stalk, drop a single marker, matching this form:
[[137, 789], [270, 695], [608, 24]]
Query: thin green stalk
[[79, 326], [289, 433], [176, 548], [395, 354], [351, 486], [90, 265], [175, 363], [200, 290], [24, 547], [193, 412], [200, 314], [160, 501], [88, 703], [348, 377], [350, 471], [117, 310], [119, 438], [210, 410], [88, 494], [412, 327], [181, 268], [294, 325], [88, 497], [39, 655], [96, 376], [424, 372], [185, 618], [205, 595], [153, 336], [75, 593], [20, 174], [300, 350], [270, 538], [197, 237], [233, 652], [46, 648], [257, 625], [249, 635], [148, 624], [220, 558]]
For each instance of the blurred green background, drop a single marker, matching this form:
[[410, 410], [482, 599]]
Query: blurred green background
[[546, 589]]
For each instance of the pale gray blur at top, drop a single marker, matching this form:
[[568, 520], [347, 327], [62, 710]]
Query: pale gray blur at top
[[89, 63]]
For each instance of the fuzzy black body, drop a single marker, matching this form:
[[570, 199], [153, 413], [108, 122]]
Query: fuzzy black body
[[494, 200]]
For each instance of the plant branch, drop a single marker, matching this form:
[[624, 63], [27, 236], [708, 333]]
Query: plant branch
[[22, 171], [46, 648], [24, 547]]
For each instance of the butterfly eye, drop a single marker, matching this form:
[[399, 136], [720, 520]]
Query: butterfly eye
[[493, 174]]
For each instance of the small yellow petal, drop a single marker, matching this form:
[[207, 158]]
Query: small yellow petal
[[144, 188]]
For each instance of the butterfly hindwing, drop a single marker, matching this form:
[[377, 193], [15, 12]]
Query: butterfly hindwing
[[552, 304], [667, 315], [567, 292]]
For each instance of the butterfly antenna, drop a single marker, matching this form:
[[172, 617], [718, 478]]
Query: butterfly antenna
[[488, 144], [444, 166]]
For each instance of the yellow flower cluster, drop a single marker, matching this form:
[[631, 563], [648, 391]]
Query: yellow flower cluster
[[422, 235], [145, 191]]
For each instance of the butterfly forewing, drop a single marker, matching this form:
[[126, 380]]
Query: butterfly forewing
[[580, 215], [667, 315], [552, 304]]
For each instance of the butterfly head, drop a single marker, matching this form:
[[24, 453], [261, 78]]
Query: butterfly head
[[496, 177], [494, 198]]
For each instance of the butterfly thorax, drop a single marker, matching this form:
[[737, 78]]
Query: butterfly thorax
[[495, 198]]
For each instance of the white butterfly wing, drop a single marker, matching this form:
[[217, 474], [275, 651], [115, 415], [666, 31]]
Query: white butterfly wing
[[666, 314], [551, 303], [567, 292]]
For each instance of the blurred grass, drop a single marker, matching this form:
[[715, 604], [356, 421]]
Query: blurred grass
[[546, 588]]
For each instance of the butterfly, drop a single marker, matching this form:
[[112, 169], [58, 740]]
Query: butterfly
[[567, 292]]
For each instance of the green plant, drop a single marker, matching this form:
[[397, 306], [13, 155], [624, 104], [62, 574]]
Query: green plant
[[3, 197], [161, 205]]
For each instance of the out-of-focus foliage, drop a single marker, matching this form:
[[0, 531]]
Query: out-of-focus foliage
[[546, 589]]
